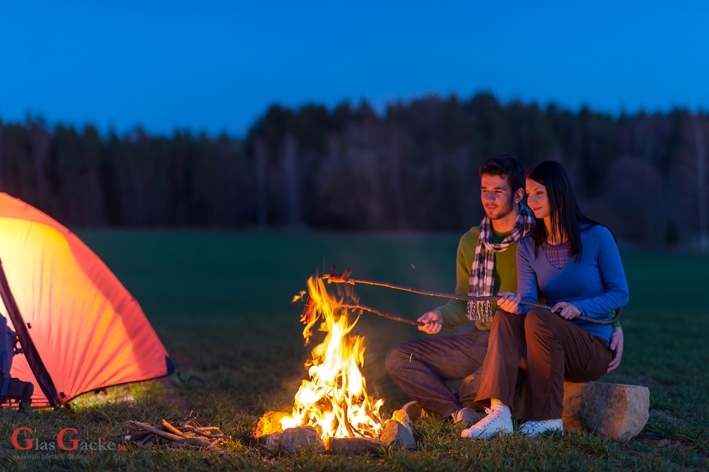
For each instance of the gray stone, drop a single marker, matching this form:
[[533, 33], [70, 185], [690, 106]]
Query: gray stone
[[355, 446], [294, 440], [614, 410], [402, 417], [397, 435], [270, 442]]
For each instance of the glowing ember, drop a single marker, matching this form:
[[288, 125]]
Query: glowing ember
[[334, 401]]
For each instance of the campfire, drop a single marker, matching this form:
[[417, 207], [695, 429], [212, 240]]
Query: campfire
[[333, 403]]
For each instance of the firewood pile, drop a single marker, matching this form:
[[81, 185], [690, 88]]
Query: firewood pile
[[183, 433]]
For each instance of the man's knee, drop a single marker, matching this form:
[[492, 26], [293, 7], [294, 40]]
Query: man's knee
[[396, 355]]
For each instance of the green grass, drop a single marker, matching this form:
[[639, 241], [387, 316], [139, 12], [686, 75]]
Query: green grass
[[221, 303]]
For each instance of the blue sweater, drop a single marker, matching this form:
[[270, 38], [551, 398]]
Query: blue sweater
[[595, 284]]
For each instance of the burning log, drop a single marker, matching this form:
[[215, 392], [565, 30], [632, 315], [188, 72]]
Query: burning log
[[270, 423], [355, 446], [176, 434]]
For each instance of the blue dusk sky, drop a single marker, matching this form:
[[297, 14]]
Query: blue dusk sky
[[217, 65]]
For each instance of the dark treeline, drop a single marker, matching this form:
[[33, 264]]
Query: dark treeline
[[414, 167]]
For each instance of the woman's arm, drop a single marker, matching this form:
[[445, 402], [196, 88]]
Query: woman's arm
[[615, 285], [526, 276]]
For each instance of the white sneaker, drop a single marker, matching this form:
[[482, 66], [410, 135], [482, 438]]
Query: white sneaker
[[497, 421], [537, 428]]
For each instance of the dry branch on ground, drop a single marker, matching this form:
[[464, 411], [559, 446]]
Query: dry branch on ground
[[185, 432]]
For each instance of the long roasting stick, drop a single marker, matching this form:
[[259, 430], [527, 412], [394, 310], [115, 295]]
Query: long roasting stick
[[309, 312], [387, 315], [344, 278]]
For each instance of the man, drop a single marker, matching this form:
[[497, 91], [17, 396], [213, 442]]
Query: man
[[486, 265]]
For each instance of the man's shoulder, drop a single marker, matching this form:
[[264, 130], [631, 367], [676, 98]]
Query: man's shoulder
[[471, 236], [473, 232]]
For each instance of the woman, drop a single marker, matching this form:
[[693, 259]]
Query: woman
[[574, 262]]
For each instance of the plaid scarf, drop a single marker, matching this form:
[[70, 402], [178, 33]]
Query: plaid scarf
[[482, 277]]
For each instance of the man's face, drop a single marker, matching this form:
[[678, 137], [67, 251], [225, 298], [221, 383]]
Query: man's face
[[496, 195]]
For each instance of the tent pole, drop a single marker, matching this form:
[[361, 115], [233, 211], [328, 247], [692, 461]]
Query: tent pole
[[33, 359]]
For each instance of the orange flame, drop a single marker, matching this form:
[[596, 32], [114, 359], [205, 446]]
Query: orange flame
[[334, 401]]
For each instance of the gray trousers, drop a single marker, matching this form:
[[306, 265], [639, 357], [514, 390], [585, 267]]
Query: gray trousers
[[422, 367]]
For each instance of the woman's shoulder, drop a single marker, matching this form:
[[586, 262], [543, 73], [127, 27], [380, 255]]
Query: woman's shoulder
[[526, 243], [595, 229], [596, 232]]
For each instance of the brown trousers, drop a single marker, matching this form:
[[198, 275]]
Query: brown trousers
[[544, 349]]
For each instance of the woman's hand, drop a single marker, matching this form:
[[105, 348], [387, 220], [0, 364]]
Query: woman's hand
[[566, 310], [616, 347], [509, 302]]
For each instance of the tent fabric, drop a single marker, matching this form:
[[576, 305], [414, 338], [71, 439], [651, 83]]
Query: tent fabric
[[88, 330]]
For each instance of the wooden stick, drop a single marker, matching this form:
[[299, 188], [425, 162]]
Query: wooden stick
[[344, 277], [158, 432], [146, 439], [194, 430], [191, 441], [348, 426], [171, 429], [388, 316], [334, 277], [136, 435], [190, 418]]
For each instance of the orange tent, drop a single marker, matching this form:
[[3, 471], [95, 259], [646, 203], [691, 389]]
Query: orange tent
[[79, 327]]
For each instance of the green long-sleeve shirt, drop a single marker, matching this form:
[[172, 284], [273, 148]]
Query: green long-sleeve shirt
[[505, 272]]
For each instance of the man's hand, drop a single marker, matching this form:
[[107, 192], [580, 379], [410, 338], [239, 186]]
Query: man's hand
[[566, 310], [616, 348], [432, 322], [509, 302]]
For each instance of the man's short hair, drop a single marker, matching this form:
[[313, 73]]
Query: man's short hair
[[506, 165]]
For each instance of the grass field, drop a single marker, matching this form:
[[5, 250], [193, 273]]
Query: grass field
[[221, 303]]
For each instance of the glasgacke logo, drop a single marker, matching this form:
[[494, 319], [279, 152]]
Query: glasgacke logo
[[67, 440]]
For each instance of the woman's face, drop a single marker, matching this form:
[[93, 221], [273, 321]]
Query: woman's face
[[537, 198]]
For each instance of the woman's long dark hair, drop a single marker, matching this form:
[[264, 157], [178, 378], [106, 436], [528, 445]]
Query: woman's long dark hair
[[567, 219]]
